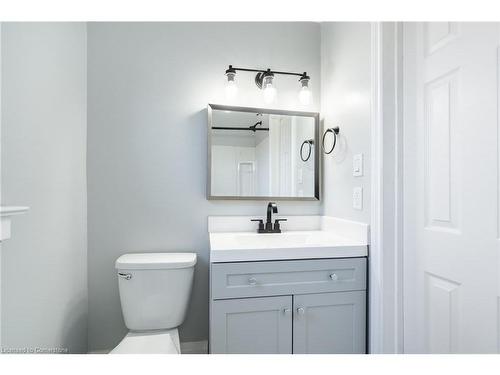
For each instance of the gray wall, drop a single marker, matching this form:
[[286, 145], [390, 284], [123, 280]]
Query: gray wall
[[345, 102], [44, 265], [148, 88]]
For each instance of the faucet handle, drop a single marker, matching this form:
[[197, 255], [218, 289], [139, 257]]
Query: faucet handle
[[277, 224], [261, 223]]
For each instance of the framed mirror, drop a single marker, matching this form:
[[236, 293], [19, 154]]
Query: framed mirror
[[262, 154]]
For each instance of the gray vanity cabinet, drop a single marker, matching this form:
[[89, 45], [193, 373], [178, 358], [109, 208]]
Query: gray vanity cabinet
[[252, 325], [290, 306]]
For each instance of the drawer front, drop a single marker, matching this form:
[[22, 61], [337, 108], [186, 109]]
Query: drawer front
[[253, 279]]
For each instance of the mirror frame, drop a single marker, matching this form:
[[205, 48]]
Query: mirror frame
[[317, 167]]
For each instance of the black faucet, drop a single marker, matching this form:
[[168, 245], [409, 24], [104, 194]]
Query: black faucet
[[271, 208]]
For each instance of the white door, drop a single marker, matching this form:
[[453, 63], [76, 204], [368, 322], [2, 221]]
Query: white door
[[280, 131], [451, 266], [246, 178]]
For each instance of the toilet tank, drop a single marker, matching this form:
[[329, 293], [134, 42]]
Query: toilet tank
[[155, 289]]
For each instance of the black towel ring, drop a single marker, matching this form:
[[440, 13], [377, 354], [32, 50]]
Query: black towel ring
[[335, 130], [309, 142]]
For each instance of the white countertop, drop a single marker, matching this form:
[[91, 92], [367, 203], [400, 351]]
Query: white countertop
[[323, 237]]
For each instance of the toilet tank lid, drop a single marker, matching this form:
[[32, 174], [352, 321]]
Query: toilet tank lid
[[155, 261]]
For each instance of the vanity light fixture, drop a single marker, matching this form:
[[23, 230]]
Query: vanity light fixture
[[231, 87], [264, 79]]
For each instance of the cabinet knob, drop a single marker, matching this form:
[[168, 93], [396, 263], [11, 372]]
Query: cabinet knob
[[287, 311], [334, 277], [252, 281], [300, 311]]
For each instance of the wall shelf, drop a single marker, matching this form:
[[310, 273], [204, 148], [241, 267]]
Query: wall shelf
[[6, 213]]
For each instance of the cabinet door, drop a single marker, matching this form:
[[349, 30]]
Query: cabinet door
[[330, 323], [252, 326]]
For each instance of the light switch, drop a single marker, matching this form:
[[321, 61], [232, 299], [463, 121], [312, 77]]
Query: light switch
[[357, 165], [357, 198]]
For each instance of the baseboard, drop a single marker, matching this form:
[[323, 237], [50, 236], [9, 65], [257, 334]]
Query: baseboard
[[194, 347], [101, 351]]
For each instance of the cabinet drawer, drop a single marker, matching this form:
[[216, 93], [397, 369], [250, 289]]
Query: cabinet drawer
[[253, 279]]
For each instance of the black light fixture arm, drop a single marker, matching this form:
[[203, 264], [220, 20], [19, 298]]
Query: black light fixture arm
[[232, 69]]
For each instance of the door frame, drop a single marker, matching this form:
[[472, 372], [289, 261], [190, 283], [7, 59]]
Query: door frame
[[385, 333]]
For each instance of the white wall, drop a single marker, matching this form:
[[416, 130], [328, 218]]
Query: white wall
[[226, 175], [148, 88], [43, 148], [345, 102]]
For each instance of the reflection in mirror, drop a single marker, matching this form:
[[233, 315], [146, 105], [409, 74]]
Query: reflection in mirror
[[262, 154]]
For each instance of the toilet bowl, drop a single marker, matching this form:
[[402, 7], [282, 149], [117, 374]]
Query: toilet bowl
[[160, 342], [154, 295]]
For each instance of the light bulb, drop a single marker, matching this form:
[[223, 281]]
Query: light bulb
[[269, 94], [231, 90], [269, 89], [305, 94]]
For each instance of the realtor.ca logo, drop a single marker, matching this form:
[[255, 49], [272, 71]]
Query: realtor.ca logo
[[35, 350]]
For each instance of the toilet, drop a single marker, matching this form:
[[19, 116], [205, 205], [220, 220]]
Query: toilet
[[154, 294]]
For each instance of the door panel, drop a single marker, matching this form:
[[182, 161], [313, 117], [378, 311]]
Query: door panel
[[329, 323], [450, 187], [252, 326]]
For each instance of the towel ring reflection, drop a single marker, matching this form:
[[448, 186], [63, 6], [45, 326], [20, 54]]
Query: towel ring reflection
[[309, 142], [335, 131]]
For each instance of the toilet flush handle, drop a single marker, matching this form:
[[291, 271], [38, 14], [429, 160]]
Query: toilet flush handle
[[126, 276]]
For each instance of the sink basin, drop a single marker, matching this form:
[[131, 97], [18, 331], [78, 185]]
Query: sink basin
[[271, 239], [248, 246]]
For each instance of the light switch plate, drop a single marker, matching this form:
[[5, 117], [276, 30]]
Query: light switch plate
[[357, 198], [357, 165]]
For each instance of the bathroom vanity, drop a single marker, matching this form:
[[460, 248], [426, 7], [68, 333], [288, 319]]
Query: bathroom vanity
[[289, 285], [300, 291]]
